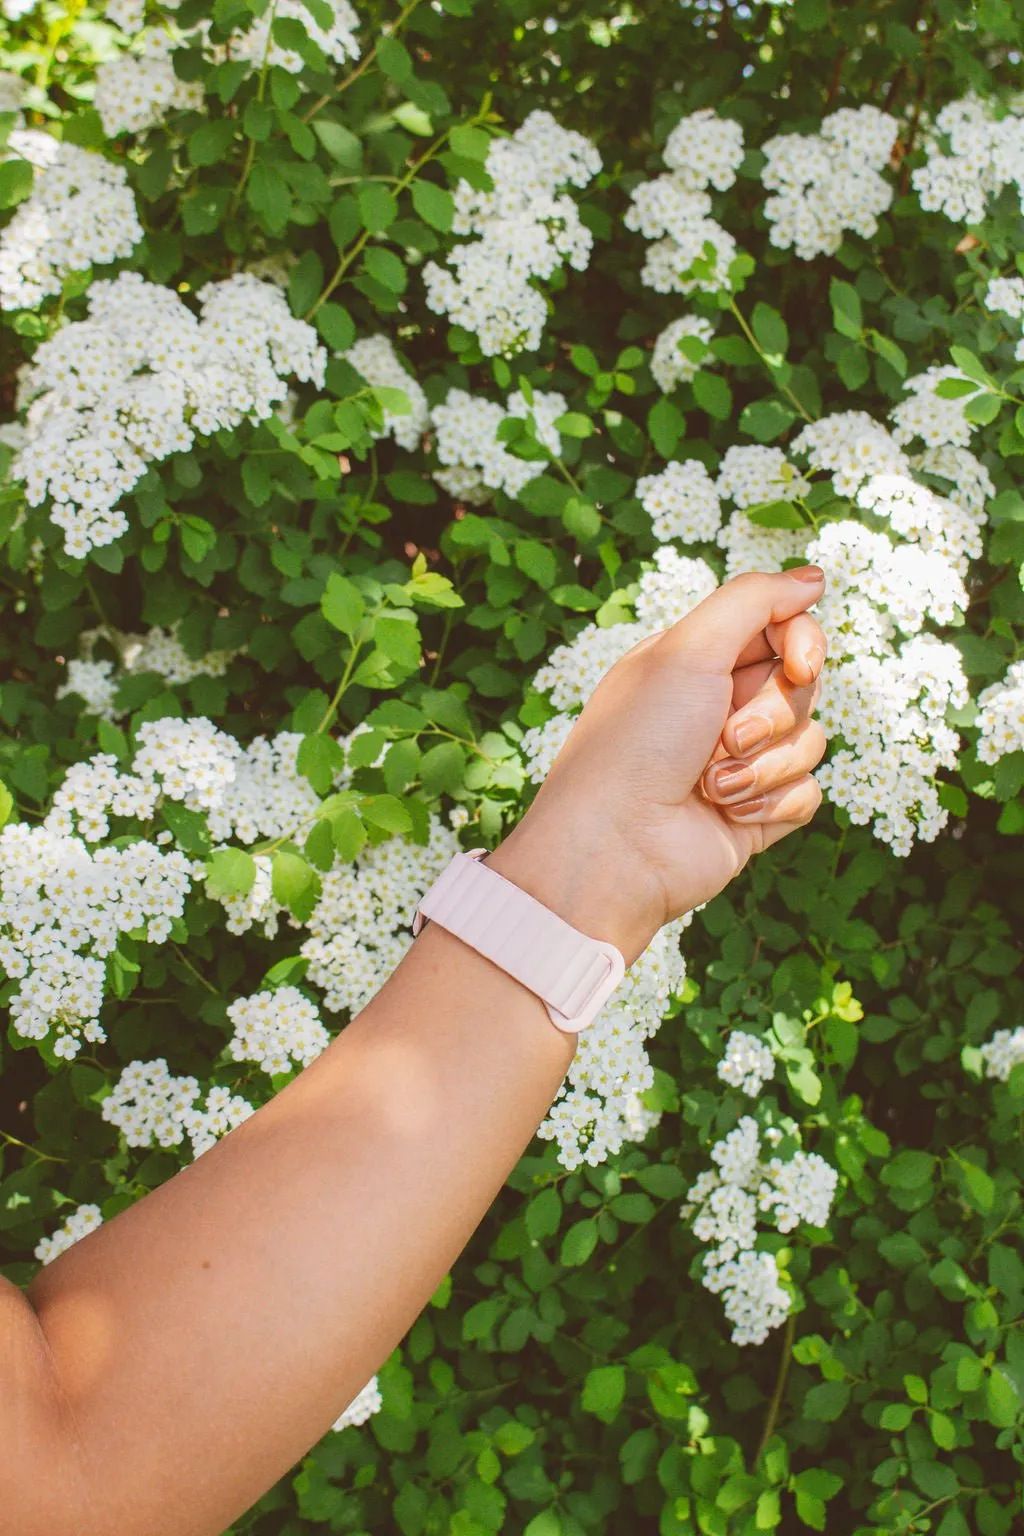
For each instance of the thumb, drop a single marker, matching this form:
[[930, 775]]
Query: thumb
[[730, 625]]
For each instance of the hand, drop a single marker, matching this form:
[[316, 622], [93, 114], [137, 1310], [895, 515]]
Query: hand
[[694, 752]]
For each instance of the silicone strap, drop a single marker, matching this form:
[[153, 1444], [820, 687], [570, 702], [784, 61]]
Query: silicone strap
[[572, 974]]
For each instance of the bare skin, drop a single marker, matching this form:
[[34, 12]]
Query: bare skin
[[163, 1373]]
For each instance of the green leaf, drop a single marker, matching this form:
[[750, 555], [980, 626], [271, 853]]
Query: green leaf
[[574, 424], [341, 605], [210, 142], [295, 883], [909, 1170], [826, 1401], [6, 804], [981, 409], [470, 143], [388, 813], [770, 329], [712, 394], [604, 1387], [394, 59], [378, 208], [536, 560], [666, 425], [634, 1208], [544, 1213], [434, 205], [349, 834], [340, 143], [579, 1242], [320, 758], [847, 316], [386, 268], [766, 420], [16, 179], [776, 514], [896, 1416], [230, 872]]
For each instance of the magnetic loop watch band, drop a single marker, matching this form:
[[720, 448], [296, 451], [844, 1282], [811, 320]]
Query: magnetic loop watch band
[[572, 974]]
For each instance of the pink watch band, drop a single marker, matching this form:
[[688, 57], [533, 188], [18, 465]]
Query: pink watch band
[[572, 974]]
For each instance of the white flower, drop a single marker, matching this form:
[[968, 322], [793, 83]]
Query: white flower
[[476, 463], [276, 1029], [362, 1407], [682, 502], [1003, 1052], [526, 228], [723, 1206], [78, 1225], [1001, 716], [669, 364], [930, 417], [376, 359], [825, 184], [747, 1063], [79, 214], [971, 158], [261, 47], [134, 93], [138, 379]]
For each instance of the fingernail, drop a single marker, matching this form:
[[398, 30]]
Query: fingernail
[[748, 810], [752, 732], [814, 656], [808, 573], [733, 778]]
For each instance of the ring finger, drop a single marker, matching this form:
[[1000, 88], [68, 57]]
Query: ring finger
[[731, 783]]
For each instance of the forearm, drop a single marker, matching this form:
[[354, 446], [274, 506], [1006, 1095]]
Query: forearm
[[208, 1336]]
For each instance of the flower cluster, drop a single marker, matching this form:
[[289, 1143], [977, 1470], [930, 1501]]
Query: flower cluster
[[361, 926], [362, 1407], [375, 358], [971, 157], [1001, 716], [925, 414], [260, 45], [600, 1104], [674, 586], [682, 501], [671, 363], [152, 1107], [725, 1203], [276, 1030], [1003, 1052], [826, 183], [82, 1221], [79, 214], [136, 92], [63, 908], [139, 378], [674, 209], [476, 462], [527, 227], [747, 1064], [158, 650]]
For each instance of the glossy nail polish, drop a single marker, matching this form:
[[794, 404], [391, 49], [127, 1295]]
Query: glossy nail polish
[[752, 732], [731, 779]]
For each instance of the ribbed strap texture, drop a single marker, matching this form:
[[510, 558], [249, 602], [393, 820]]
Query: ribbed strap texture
[[517, 933]]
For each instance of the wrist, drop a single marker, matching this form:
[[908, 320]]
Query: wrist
[[578, 873]]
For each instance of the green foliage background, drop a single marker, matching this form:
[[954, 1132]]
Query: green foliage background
[[572, 1376]]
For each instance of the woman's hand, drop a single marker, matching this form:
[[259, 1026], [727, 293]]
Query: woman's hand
[[694, 752]]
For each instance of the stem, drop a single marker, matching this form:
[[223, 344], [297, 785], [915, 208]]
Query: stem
[[350, 255], [748, 333], [780, 1387], [261, 88], [346, 678], [186, 962], [33, 1151], [363, 65]]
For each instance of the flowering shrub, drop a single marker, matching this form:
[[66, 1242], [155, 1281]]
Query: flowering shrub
[[372, 380]]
